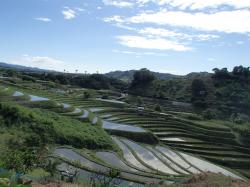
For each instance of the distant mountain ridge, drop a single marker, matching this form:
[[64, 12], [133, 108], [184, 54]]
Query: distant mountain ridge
[[128, 75], [22, 68], [121, 75]]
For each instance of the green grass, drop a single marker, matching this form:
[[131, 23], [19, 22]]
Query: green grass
[[37, 174], [55, 128]]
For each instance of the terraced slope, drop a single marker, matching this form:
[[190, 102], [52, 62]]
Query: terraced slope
[[159, 161], [213, 142]]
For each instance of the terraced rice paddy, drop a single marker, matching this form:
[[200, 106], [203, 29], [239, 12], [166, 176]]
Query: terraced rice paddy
[[148, 158], [121, 127], [185, 146], [215, 143], [127, 173]]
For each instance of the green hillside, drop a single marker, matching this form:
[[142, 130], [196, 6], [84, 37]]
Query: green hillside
[[57, 126]]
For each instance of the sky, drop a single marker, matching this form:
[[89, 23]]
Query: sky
[[169, 36]]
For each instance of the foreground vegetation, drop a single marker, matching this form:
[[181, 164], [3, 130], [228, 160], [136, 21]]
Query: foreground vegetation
[[26, 130]]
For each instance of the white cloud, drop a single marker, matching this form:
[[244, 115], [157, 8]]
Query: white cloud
[[139, 53], [182, 4], [149, 43], [201, 4], [237, 21], [69, 13], [42, 62], [116, 19], [206, 37], [177, 35], [44, 19], [174, 28], [240, 42], [118, 3], [99, 8]]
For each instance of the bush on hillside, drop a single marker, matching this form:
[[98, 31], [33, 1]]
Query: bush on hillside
[[158, 108], [209, 114]]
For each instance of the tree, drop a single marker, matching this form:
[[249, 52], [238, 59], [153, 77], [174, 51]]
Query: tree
[[198, 88], [238, 70], [199, 93], [142, 82], [142, 78], [221, 73]]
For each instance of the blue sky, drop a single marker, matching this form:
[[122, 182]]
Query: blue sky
[[174, 36]]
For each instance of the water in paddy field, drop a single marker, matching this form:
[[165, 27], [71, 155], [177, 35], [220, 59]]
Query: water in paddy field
[[129, 157], [70, 154], [206, 166], [149, 158], [121, 127], [65, 106], [114, 160], [37, 98], [173, 139], [85, 114], [76, 111], [86, 175], [177, 159], [17, 94], [95, 120], [111, 101], [106, 116], [95, 109]]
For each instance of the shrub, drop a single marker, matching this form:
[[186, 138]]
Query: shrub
[[209, 114], [200, 104], [28, 78], [86, 95], [158, 108]]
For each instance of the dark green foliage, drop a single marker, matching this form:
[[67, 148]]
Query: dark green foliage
[[198, 88], [221, 74], [232, 90], [127, 76], [28, 78], [158, 108], [139, 101], [141, 82], [210, 114], [10, 73], [94, 81], [142, 77], [199, 93], [51, 166], [21, 160], [86, 95], [200, 103], [241, 71]]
